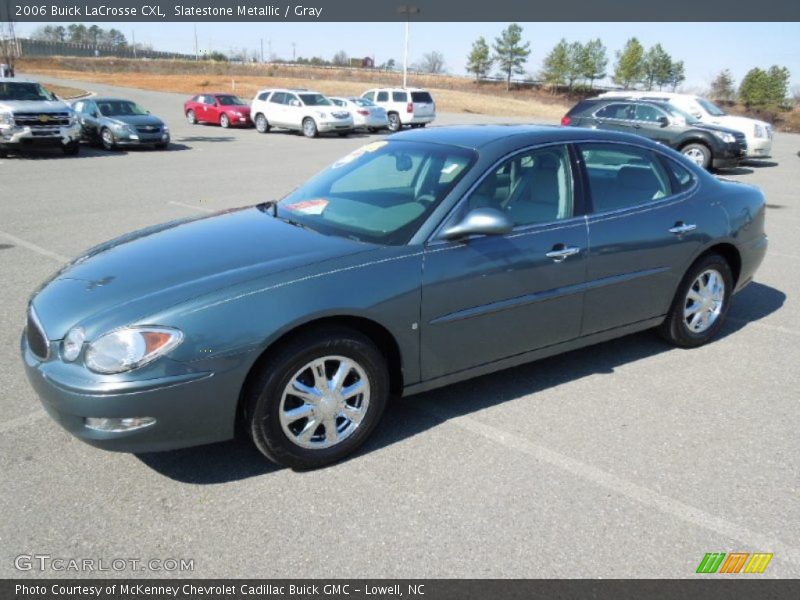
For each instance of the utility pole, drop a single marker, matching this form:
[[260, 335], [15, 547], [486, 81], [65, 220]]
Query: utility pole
[[262, 50], [133, 39], [196, 51], [407, 10], [294, 52]]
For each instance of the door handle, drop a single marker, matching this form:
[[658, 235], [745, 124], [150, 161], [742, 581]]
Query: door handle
[[681, 228], [559, 253]]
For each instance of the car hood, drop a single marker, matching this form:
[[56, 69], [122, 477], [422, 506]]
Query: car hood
[[136, 120], [743, 124], [44, 106], [155, 268], [711, 127], [245, 110]]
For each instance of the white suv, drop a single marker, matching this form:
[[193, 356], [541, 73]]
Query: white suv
[[757, 133], [404, 106], [301, 110]]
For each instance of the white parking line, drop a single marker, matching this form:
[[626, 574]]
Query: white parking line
[[38, 249], [21, 421], [191, 206], [609, 481]]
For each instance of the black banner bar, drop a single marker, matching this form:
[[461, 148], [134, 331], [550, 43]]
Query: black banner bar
[[733, 588], [396, 10]]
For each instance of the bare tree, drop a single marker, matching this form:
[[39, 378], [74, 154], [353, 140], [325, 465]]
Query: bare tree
[[8, 44], [432, 62]]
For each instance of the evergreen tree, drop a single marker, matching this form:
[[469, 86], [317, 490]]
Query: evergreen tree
[[629, 68], [479, 60], [510, 52]]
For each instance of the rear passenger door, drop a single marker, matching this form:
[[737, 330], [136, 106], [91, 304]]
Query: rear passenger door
[[643, 231], [615, 117]]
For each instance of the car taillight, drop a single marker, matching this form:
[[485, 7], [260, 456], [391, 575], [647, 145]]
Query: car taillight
[[410, 107], [363, 112], [566, 121]]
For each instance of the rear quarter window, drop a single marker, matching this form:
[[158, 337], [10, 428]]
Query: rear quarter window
[[399, 97], [383, 97], [421, 97], [682, 178]]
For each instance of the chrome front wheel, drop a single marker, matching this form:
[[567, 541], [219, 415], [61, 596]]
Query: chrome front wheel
[[325, 402]]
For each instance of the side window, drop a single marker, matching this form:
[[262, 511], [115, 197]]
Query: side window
[[647, 112], [621, 176], [615, 111], [532, 187], [682, 178], [263, 96], [277, 98], [383, 97], [290, 98], [370, 95], [399, 97]]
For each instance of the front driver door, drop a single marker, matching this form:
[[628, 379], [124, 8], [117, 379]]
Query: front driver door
[[492, 297]]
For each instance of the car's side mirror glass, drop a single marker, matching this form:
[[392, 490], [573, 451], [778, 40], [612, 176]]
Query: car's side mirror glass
[[664, 121], [480, 221]]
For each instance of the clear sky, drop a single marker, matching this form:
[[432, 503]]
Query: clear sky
[[705, 48]]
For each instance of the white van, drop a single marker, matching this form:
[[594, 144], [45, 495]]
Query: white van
[[757, 133]]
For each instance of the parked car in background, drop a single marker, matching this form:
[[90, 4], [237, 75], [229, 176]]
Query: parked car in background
[[30, 116], [299, 110], [757, 133], [115, 122], [366, 114], [404, 106], [709, 146], [221, 109], [416, 261]]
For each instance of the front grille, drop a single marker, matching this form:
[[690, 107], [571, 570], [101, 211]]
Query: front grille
[[741, 140], [34, 120], [149, 129], [37, 340]]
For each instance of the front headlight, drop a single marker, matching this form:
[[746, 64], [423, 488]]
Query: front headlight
[[72, 344], [759, 131], [728, 138], [6, 118], [121, 128], [130, 348]]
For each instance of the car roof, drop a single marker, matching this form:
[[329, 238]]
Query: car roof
[[104, 99], [516, 136], [292, 90]]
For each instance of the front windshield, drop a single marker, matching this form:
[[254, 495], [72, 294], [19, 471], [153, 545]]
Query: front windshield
[[711, 108], [22, 91], [120, 108], [680, 114], [315, 100], [231, 101], [380, 193]]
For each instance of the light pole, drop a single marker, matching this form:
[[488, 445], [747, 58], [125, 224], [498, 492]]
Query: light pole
[[407, 10]]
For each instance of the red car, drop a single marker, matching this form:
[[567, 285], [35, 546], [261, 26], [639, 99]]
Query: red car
[[225, 110]]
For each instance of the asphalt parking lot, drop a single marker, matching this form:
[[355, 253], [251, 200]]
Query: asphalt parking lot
[[627, 459]]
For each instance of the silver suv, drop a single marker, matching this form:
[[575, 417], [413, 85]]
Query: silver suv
[[404, 106], [31, 116], [301, 110]]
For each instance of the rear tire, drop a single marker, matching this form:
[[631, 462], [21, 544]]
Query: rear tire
[[701, 303], [699, 154], [304, 441]]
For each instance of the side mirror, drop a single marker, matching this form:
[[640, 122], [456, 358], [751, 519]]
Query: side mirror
[[664, 121], [295, 102], [94, 114], [480, 221]]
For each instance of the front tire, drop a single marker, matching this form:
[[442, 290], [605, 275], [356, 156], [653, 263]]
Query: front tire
[[224, 121], [394, 122], [107, 139], [309, 127], [698, 154], [701, 303], [317, 398], [191, 117], [71, 149], [262, 125]]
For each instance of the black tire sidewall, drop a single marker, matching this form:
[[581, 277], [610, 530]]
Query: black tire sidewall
[[674, 328], [264, 401]]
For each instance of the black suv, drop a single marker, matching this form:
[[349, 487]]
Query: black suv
[[710, 146]]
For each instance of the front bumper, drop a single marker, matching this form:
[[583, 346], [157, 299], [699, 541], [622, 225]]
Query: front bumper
[[335, 125], [759, 147], [191, 407], [14, 136], [729, 157], [418, 119], [141, 139]]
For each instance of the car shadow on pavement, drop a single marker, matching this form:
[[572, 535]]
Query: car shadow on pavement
[[407, 417], [203, 138]]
